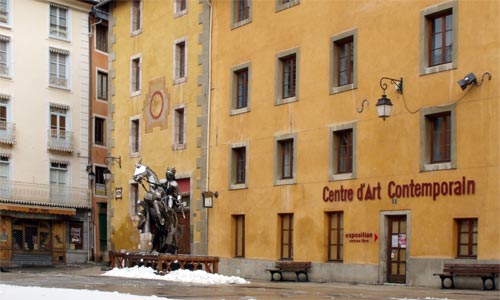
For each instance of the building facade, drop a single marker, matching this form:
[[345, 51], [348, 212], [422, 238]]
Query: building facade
[[304, 168], [158, 107], [44, 112], [98, 123]]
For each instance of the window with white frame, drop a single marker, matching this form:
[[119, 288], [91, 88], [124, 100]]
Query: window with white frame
[[4, 55], [438, 37], [58, 21], [101, 37], [136, 17], [59, 69], [287, 76], [284, 4], [285, 159], [134, 139], [99, 131], [99, 183], [180, 60], [58, 180], [179, 127], [135, 75], [4, 104], [438, 133], [241, 12], [102, 85], [240, 88], [342, 164], [343, 61], [134, 198], [180, 8], [238, 165], [5, 12], [4, 175], [58, 122]]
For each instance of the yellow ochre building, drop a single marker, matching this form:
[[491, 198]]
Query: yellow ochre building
[[306, 170], [158, 89]]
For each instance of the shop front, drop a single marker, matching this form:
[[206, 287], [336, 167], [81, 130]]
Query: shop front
[[42, 236]]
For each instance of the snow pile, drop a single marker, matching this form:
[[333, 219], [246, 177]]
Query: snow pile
[[197, 276], [10, 292]]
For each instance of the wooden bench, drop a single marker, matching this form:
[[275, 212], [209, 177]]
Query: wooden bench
[[485, 271], [299, 268]]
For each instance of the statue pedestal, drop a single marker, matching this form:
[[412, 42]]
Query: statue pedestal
[[145, 243]]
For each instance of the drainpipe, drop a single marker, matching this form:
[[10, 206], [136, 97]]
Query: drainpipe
[[91, 224], [209, 3]]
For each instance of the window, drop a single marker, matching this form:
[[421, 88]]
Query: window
[[287, 77], [134, 136], [438, 133], [4, 55], [286, 230], [58, 181], [4, 175], [31, 235], [239, 235], [99, 131], [134, 198], [343, 67], [4, 104], [135, 76], [335, 236], [100, 183], [179, 142], [102, 85], [58, 21], [438, 38], [180, 61], [238, 166], [59, 73], [136, 17], [101, 37], [76, 235], [240, 92], [467, 238], [342, 150], [58, 127], [284, 4], [180, 8], [241, 12], [285, 159], [4, 12]]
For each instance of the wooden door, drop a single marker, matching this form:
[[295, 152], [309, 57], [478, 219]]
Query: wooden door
[[396, 246]]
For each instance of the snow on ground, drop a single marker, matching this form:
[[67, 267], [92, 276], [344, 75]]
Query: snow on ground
[[197, 276], [11, 292]]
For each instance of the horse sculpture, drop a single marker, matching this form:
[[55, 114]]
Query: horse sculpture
[[158, 215]]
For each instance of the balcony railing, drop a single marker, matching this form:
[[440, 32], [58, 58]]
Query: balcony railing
[[7, 132], [44, 194], [60, 140]]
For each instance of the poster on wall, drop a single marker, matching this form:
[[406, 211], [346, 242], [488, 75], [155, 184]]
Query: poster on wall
[[402, 240], [394, 241]]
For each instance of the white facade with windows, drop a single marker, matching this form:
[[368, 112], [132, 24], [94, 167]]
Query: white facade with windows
[[44, 139]]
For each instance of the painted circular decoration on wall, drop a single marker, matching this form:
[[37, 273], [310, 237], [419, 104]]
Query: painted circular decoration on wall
[[156, 104]]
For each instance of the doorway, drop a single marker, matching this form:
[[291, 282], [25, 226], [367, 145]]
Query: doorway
[[396, 254]]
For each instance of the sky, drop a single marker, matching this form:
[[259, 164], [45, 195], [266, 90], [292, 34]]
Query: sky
[[12, 292]]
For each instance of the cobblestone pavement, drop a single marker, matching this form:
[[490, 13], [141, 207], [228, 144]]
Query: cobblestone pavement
[[89, 276]]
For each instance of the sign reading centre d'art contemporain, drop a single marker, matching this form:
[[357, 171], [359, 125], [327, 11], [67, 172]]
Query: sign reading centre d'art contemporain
[[412, 189]]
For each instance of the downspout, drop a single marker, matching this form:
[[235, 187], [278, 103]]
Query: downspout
[[89, 162], [209, 3]]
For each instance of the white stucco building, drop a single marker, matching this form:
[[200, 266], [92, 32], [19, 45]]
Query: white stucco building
[[44, 139]]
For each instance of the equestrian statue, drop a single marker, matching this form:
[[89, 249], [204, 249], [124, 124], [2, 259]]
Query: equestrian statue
[[157, 214]]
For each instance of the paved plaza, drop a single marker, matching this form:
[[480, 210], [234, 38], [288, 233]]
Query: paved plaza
[[89, 277]]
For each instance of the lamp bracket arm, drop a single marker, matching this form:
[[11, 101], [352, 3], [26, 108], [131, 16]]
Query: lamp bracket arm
[[397, 82], [482, 78], [365, 102]]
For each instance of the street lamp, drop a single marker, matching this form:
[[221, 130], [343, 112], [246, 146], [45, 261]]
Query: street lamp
[[384, 104]]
